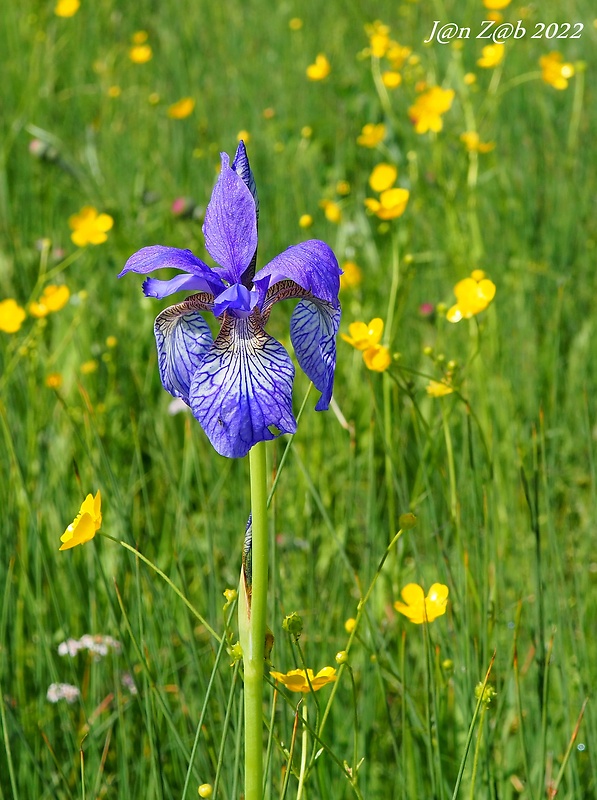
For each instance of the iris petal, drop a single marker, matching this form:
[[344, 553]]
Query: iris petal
[[242, 168], [182, 337], [237, 300], [243, 388], [311, 264], [313, 328], [148, 259], [152, 287], [230, 226]]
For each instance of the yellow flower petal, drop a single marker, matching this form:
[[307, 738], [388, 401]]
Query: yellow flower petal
[[377, 358], [382, 177], [89, 227], [391, 79], [11, 316], [372, 135], [491, 55], [351, 275], [439, 389], [363, 336], [86, 523], [418, 608], [320, 69], [297, 680], [182, 109], [67, 8], [140, 53]]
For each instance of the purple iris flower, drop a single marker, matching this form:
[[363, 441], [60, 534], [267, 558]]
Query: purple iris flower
[[239, 385]]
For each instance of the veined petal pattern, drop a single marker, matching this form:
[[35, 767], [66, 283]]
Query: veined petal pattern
[[313, 328], [242, 392], [183, 337]]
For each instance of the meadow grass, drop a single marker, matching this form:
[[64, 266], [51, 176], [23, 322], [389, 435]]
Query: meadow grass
[[500, 474]]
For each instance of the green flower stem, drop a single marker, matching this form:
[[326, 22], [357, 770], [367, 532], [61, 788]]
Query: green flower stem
[[251, 624]]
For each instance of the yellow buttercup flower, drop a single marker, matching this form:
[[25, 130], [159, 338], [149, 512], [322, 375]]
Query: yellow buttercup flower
[[363, 336], [491, 55], [473, 295], [439, 389], [495, 5], [377, 358], [85, 525], [54, 380], [426, 113], [320, 69], [391, 79], [382, 177], [418, 608], [379, 43], [372, 135], [11, 316], [182, 109], [89, 227], [473, 144], [140, 53], [332, 211], [305, 221], [89, 367], [67, 8], [391, 204], [555, 71], [53, 299], [397, 55], [296, 679], [351, 275]]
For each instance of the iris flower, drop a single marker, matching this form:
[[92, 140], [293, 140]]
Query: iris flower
[[239, 385]]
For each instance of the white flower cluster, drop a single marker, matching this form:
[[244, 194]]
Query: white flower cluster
[[62, 691], [98, 644]]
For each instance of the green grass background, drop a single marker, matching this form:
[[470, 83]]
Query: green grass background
[[503, 487]]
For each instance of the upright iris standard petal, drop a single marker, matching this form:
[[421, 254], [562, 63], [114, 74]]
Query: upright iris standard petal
[[312, 265], [313, 328], [230, 226], [241, 166], [182, 337], [241, 393], [148, 259]]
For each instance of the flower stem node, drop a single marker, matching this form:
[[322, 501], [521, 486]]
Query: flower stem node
[[407, 521], [486, 694], [293, 624]]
